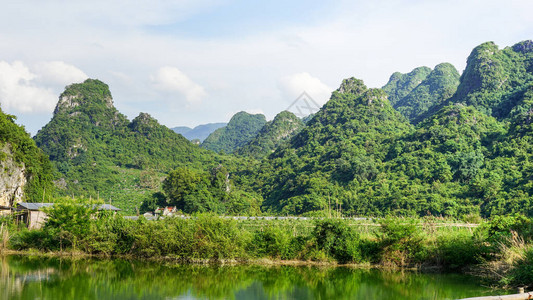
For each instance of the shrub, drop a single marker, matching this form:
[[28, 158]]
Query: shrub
[[271, 241], [457, 249], [522, 271], [101, 237], [401, 241], [7, 228], [337, 240], [500, 232], [501, 227], [69, 219], [215, 237], [277, 242], [34, 239]]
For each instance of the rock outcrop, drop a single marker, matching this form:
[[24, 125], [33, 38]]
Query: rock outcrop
[[12, 178]]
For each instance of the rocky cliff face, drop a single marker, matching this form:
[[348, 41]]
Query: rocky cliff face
[[12, 178], [91, 91], [25, 172]]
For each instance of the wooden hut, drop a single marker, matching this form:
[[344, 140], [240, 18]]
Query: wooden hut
[[34, 217], [31, 214]]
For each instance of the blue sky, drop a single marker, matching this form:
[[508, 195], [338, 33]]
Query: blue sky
[[235, 19], [189, 62]]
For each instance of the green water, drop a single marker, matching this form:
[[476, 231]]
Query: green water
[[52, 278]]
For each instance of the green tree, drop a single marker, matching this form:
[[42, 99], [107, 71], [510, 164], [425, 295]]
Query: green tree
[[179, 184], [70, 219]]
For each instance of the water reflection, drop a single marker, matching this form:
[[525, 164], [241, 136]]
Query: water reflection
[[53, 278]]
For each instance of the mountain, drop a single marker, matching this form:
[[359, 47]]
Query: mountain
[[439, 85], [200, 132], [181, 130], [495, 80], [400, 85], [345, 141], [276, 132], [27, 173], [360, 156], [438, 168], [241, 129], [470, 153], [99, 153], [430, 143]]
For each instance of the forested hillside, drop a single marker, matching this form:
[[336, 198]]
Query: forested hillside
[[344, 143], [469, 153], [496, 81], [26, 173], [430, 142], [99, 153], [439, 85], [274, 134], [400, 85], [241, 129]]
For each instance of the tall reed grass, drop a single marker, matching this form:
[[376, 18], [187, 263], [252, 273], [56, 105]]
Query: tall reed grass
[[4, 237]]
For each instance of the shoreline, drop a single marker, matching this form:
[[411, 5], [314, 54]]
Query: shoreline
[[224, 262]]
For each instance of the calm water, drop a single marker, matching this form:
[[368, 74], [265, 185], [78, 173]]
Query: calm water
[[38, 278]]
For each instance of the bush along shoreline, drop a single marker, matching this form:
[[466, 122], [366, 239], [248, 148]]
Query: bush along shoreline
[[499, 250]]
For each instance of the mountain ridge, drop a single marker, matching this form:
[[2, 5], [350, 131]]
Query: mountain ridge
[[241, 129], [465, 149], [200, 132]]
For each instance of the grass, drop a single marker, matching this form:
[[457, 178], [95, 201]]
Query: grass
[[508, 262], [4, 237], [494, 249]]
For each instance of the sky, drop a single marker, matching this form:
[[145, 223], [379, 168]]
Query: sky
[[191, 62]]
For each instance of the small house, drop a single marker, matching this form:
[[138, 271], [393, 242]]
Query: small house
[[34, 217], [167, 211], [31, 214]]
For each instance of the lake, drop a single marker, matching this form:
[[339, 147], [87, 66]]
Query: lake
[[23, 277]]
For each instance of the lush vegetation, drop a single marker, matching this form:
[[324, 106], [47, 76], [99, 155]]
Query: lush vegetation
[[342, 145], [241, 129], [275, 133], [436, 87], [16, 145], [396, 242], [495, 80], [100, 154], [192, 191], [468, 155], [360, 155], [400, 85]]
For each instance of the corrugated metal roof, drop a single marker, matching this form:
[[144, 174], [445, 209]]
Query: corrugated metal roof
[[33, 206], [135, 218], [37, 206], [108, 207]]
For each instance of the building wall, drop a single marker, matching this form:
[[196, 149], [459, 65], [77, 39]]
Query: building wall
[[37, 219]]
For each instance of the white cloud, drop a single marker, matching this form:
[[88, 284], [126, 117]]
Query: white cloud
[[121, 41], [171, 79], [294, 85], [25, 89], [19, 93], [58, 73]]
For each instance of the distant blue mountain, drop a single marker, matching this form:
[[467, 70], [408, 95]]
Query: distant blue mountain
[[200, 132]]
